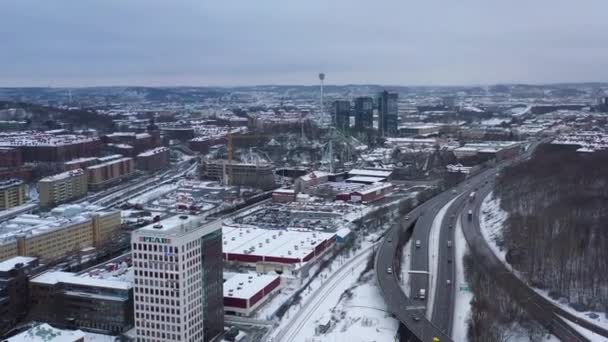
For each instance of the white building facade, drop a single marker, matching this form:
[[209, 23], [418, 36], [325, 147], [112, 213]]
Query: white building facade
[[178, 290]]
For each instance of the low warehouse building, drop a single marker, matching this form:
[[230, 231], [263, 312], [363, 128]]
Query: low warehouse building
[[245, 292], [273, 249]]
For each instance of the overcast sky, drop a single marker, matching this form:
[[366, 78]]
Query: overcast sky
[[248, 42]]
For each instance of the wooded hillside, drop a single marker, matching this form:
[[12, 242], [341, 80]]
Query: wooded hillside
[[557, 233]]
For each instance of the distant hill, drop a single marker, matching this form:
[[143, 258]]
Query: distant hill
[[47, 117]]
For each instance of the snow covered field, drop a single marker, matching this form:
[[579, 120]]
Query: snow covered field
[[463, 297]]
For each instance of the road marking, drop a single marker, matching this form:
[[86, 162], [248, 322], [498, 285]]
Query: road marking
[[415, 307], [418, 272]]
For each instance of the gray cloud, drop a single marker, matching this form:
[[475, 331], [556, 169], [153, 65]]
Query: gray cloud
[[204, 42]]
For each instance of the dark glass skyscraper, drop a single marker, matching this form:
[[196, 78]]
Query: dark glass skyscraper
[[388, 112], [364, 112], [341, 111]]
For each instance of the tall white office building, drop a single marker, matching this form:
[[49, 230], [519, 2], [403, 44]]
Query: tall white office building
[[178, 280]]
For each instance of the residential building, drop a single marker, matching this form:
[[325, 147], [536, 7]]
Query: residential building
[[103, 175], [46, 147], [62, 187], [388, 113], [364, 113], [65, 298], [178, 280], [68, 230], [14, 290], [12, 193], [341, 113], [153, 160]]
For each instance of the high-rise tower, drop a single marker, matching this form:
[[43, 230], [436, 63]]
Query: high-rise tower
[[178, 280], [388, 113]]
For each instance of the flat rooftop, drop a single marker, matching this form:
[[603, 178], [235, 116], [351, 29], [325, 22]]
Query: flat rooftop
[[173, 223], [46, 333], [246, 285], [9, 264], [98, 166], [55, 277], [153, 151], [370, 173], [34, 138], [63, 175], [61, 217], [365, 179], [270, 242]]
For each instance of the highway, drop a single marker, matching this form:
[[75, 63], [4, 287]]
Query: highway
[[536, 305], [412, 312]]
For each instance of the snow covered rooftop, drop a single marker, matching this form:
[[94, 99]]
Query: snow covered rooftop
[[61, 217], [313, 175], [172, 223], [108, 163], [55, 277], [374, 188], [10, 183], [80, 160], [9, 264], [153, 151], [46, 333], [34, 138], [246, 285], [63, 175], [365, 179], [271, 242], [370, 173]]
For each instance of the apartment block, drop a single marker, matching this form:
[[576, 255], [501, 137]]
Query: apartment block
[[12, 193], [67, 231], [62, 187], [153, 160], [103, 175]]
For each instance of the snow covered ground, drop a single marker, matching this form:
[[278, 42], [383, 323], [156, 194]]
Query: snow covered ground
[[491, 223], [356, 311], [434, 255], [154, 194], [463, 297]]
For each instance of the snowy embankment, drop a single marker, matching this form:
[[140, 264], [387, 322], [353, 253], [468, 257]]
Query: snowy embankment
[[492, 223], [463, 297], [406, 263], [434, 246]]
